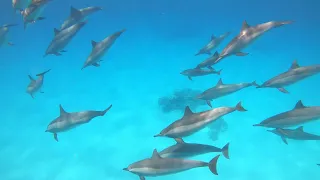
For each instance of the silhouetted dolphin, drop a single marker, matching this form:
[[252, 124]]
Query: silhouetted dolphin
[[209, 62], [199, 72], [63, 38], [221, 89], [35, 85], [191, 122], [158, 166], [100, 48], [248, 35], [67, 120], [293, 75], [296, 134], [214, 43], [300, 114], [4, 30], [185, 150], [78, 15], [32, 13]]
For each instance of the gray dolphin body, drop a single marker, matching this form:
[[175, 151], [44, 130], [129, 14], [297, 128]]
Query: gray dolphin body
[[32, 13], [78, 15], [300, 114], [100, 48], [67, 121], [158, 166], [191, 122], [63, 38], [4, 30], [296, 134], [199, 72], [184, 150], [248, 35], [36, 84], [293, 75], [221, 89], [209, 62], [214, 43], [19, 5]]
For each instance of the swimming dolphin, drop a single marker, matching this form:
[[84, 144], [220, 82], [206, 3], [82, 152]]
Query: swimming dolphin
[[293, 75], [199, 72], [214, 43], [209, 62], [70, 120], [100, 48], [78, 15], [36, 84], [4, 30], [158, 166], [63, 38], [248, 35], [19, 5], [184, 150], [296, 134], [32, 13], [191, 122], [221, 89], [300, 114]]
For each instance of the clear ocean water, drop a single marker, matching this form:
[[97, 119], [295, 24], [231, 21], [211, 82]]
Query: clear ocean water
[[143, 65]]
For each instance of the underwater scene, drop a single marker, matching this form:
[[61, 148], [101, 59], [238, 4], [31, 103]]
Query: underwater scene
[[159, 90]]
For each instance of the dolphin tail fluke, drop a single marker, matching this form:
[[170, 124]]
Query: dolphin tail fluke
[[213, 165], [55, 136], [105, 111], [240, 108], [142, 178], [41, 74], [225, 151], [218, 72]]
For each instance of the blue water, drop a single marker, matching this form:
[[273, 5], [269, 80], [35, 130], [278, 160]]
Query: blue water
[[142, 66]]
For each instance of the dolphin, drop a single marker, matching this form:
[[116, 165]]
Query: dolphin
[[209, 61], [184, 150], [70, 120], [214, 43], [63, 38], [4, 30], [36, 84], [199, 72], [32, 13], [221, 89], [291, 76], [100, 48], [300, 114], [158, 166], [296, 134], [248, 35], [19, 5], [191, 122], [78, 15]]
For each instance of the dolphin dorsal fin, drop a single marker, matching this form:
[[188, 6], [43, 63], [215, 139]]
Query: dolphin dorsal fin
[[75, 13], [155, 154], [216, 54], [245, 26], [299, 105], [187, 111], [94, 43], [179, 140], [294, 65], [62, 111], [56, 31], [31, 78], [219, 82], [300, 128]]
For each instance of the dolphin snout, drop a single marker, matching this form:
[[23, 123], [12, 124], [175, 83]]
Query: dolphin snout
[[158, 135]]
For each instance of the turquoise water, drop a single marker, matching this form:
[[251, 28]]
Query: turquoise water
[[142, 66]]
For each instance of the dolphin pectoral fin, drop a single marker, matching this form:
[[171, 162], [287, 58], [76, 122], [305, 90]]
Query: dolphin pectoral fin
[[55, 136], [189, 77], [63, 51], [32, 96], [284, 140], [283, 90], [241, 54], [142, 178], [57, 54], [209, 103], [96, 65]]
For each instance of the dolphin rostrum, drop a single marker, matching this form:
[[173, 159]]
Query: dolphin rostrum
[[158, 166], [70, 120], [184, 150], [199, 72], [78, 15], [214, 43], [192, 122], [300, 114], [293, 75], [100, 48], [296, 134], [248, 35], [4, 30], [36, 84], [221, 89], [209, 62], [63, 38]]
